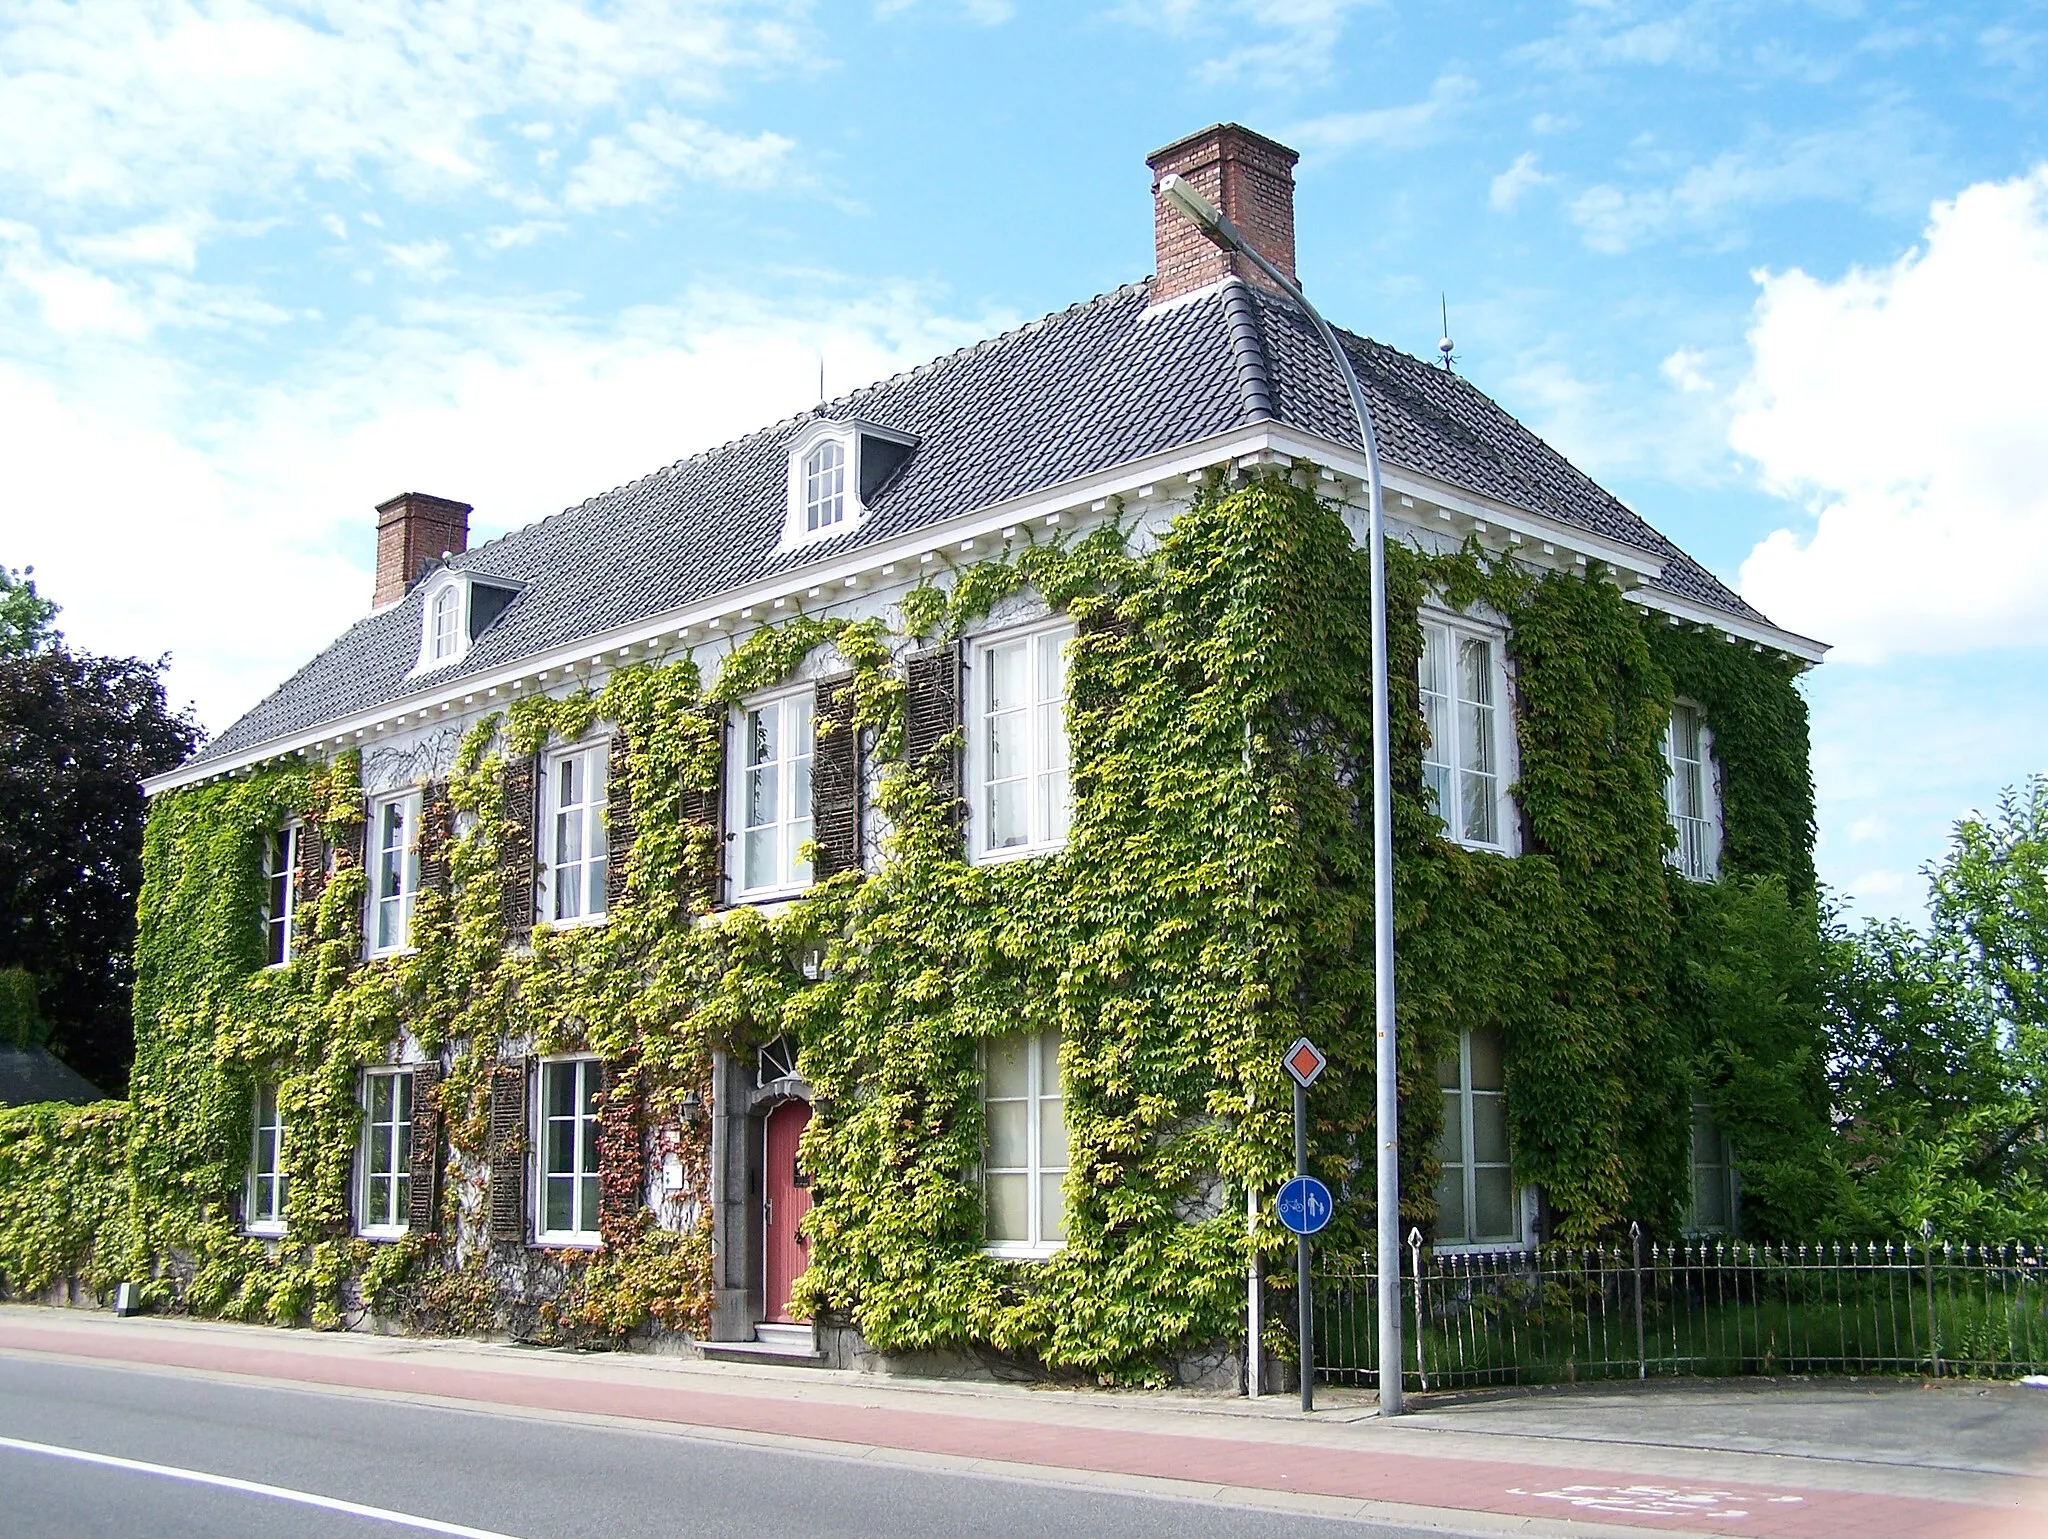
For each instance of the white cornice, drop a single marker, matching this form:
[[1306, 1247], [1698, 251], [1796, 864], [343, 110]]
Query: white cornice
[[971, 534]]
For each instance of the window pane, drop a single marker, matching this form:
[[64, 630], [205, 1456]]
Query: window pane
[[1052, 1210], [586, 1220], [1008, 1133], [1052, 1134], [762, 858], [1435, 643], [800, 788], [1009, 1199], [1450, 1205], [1008, 749], [1480, 809], [1487, 1073], [559, 1094], [1450, 1144], [1493, 1199], [764, 735], [763, 796], [1052, 666], [557, 1215], [558, 1154], [1438, 778], [800, 834], [378, 1209], [1490, 1128], [1447, 1071], [1007, 1067], [1007, 815], [1006, 677], [1475, 670]]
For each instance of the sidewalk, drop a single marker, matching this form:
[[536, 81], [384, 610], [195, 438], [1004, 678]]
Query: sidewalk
[[1958, 1461]]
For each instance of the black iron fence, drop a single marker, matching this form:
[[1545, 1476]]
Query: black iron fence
[[1560, 1314]]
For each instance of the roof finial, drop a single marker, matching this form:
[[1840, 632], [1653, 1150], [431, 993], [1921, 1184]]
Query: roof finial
[[1443, 343], [821, 380]]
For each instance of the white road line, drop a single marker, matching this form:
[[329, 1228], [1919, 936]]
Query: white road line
[[255, 1488]]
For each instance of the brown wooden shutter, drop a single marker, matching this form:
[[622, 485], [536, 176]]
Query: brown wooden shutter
[[704, 807], [507, 1153], [437, 830], [835, 779], [931, 715], [309, 881], [620, 829], [621, 1161], [516, 866], [423, 1196]]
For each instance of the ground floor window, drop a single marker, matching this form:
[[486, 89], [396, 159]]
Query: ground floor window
[[1025, 1149], [568, 1150], [387, 1152], [1475, 1195], [264, 1211], [1712, 1209]]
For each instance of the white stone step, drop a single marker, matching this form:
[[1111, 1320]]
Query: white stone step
[[794, 1339]]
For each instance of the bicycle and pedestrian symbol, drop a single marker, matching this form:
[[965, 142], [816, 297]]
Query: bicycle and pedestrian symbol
[[1304, 1205]]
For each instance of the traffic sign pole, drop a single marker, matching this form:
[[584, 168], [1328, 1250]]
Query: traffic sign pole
[[1305, 1319]]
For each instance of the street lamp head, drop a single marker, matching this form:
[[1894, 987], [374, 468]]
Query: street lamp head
[[1198, 211]]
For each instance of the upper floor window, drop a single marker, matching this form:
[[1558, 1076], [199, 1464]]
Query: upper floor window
[[1024, 1158], [1461, 764], [1690, 794], [444, 624], [280, 858], [568, 1164], [264, 1202], [825, 486], [1017, 748], [383, 1210], [394, 870], [773, 791], [572, 885], [1712, 1208], [1475, 1194]]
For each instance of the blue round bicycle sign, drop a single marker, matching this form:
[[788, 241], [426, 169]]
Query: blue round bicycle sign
[[1304, 1205]]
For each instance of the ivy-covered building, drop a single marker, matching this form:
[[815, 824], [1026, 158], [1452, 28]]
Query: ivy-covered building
[[860, 879]]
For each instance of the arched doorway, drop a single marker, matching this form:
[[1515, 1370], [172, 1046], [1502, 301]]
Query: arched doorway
[[786, 1198]]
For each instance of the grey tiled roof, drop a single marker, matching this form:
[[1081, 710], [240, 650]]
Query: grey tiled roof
[[1080, 391], [29, 1075]]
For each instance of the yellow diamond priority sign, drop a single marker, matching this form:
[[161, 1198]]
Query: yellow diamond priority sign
[[1304, 1061]]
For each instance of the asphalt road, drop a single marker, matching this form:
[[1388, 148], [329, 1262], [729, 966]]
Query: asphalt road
[[524, 1477]]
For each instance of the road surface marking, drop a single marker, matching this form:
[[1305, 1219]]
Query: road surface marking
[[255, 1488], [1659, 1501]]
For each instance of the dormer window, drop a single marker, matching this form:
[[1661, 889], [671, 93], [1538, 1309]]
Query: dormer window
[[456, 607], [444, 624], [825, 486], [837, 469]]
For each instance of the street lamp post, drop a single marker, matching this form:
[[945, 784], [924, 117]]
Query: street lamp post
[[1217, 227]]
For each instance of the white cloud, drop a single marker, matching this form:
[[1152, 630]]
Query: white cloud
[[1875, 162], [1387, 128], [982, 13], [421, 258], [233, 527], [185, 104], [1684, 368], [1508, 188], [646, 160], [1291, 42], [1620, 34], [1904, 407]]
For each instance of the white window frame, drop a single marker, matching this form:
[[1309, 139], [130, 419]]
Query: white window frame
[[797, 527], [277, 927], [1454, 757], [431, 598], [589, 818], [408, 871], [585, 1237], [268, 1188], [1520, 1200], [1036, 1170], [826, 468], [1699, 861], [791, 831], [1049, 808], [395, 1138]]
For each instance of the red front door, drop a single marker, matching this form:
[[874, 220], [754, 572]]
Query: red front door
[[787, 1198]]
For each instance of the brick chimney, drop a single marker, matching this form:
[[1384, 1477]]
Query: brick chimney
[[1249, 177], [413, 529]]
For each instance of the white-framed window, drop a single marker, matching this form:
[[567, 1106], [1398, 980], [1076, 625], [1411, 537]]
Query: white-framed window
[[772, 795], [280, 893], [263, 1204], [1691, 796], [444, 624], [394, 870], [576, 847], [383, 1204], [1476, 1201], [1463, 684], [824, 486], [1712, 1207], [567, 1145], [1024, 1148], [1017, 742]]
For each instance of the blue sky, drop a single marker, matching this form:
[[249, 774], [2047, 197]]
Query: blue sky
[[1776, 274]]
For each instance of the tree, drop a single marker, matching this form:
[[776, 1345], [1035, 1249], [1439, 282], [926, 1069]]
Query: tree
[[1939, 1041], [78, 734]]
